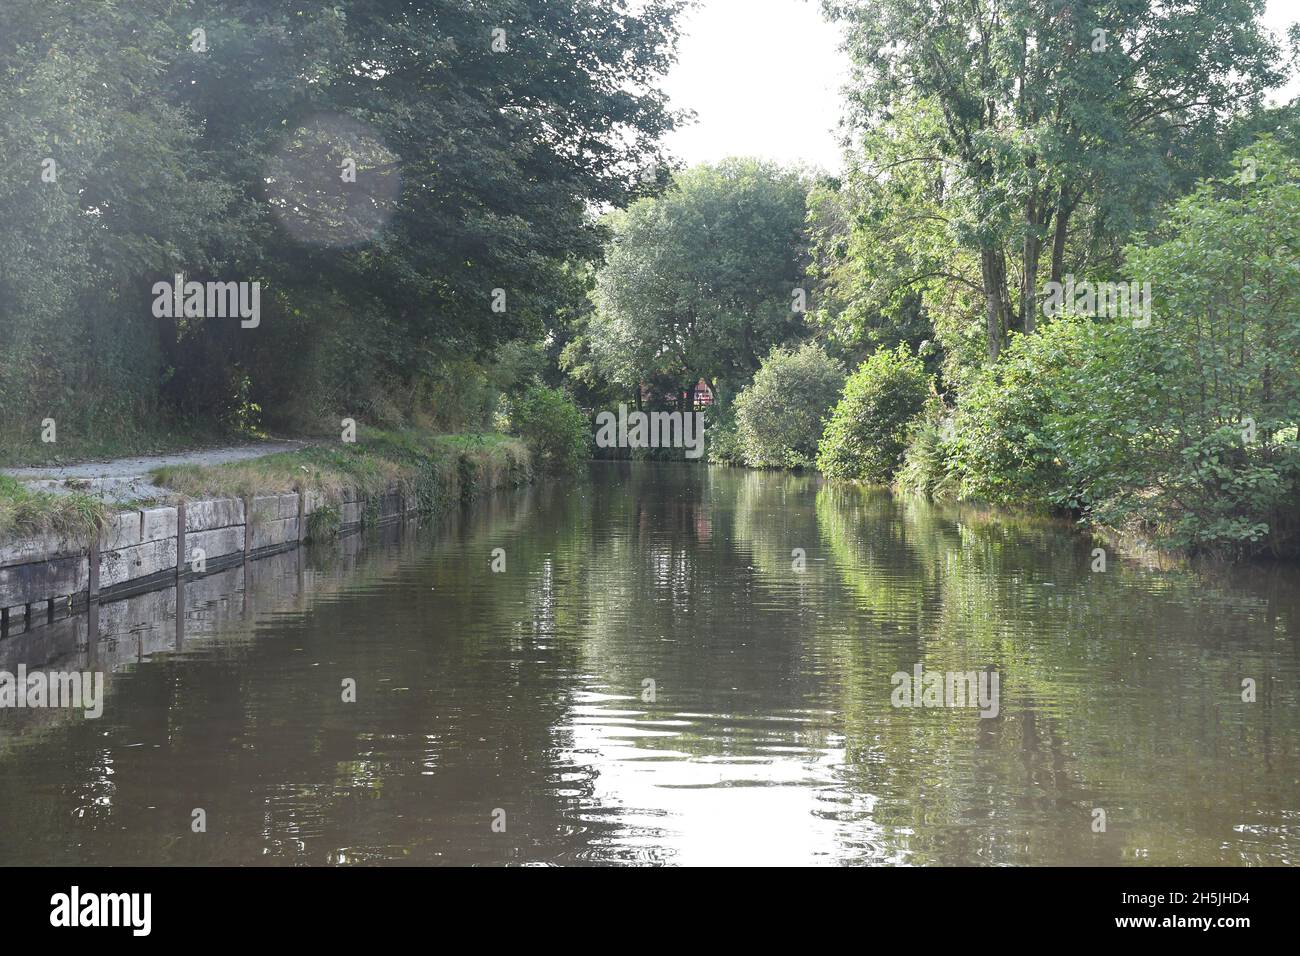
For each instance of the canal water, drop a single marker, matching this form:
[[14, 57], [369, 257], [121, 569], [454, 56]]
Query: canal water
[[673, 664]]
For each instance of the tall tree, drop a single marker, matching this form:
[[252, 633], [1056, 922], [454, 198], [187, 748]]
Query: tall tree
[[208, 137], [702, 281], [1038, 126]]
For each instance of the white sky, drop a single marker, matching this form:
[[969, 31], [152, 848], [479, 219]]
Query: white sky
[[1280, 15], [764, 76]]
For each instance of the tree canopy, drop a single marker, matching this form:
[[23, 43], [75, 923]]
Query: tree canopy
[[1007, 142], [212, 139], [703, 280]]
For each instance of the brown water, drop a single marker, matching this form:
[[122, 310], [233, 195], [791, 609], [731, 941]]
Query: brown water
[[770, 737]]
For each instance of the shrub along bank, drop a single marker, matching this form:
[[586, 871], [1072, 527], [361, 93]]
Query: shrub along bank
[[1176, 427]]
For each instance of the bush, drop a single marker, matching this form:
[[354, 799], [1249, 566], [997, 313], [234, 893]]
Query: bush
[[870, 427], [721, 436], [554, 429], [925, 470], [1188, 432], [1184, 431], [1195, 416], [779, 414], [1004, 448]]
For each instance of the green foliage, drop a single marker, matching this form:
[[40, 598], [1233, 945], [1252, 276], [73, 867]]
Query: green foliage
[[1005, 142], [870, 427], [779, 415], [554, 429], [925, 470], [1001, 447], [721, 437], [475, 171], [1189, 429], [432, 470], [698, 283], [1184, 431], [324, 523], [24, 512]]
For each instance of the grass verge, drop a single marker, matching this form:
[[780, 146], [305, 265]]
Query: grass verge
[[23, 448], [25, 512], [432, 469]]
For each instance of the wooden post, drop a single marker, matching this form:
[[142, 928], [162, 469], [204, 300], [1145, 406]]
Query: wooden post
[[92, 634], [248, 526], [49, 611], [180, 540], [92, 586], [302, 515], [27, 617], [180, 611], [4, 622]]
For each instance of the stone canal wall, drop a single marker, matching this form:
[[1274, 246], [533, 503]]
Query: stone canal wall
[[140, 550]]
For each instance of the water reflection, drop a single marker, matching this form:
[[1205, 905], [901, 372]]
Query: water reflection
[[767, 735]]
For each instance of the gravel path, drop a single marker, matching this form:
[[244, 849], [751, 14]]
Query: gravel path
[[127, 479]]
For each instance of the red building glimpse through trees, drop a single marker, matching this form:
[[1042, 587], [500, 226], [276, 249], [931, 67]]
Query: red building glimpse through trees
[[698, 396]]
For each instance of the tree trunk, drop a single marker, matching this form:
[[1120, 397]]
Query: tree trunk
[[993, 273], [1063, 210], [747, 339], [1029, 264]]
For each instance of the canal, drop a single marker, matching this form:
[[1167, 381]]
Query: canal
[[673, 664]]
